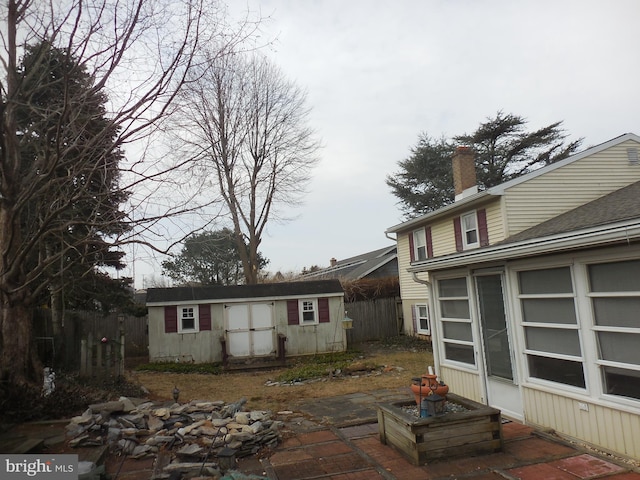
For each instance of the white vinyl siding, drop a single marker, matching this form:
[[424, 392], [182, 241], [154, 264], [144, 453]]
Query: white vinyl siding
[[557, 191], [409, 290], [609, 428]]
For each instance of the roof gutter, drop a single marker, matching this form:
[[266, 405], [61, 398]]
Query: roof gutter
[[593, 237]]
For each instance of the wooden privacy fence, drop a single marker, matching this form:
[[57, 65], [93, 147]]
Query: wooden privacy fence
[[89, 327], [104, 357], [373, 319]]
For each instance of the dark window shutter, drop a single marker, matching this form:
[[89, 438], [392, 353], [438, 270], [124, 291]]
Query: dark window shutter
[[429, 242], [483, 231], [293, 315], [412, 255], [323, 310], [170, 319], [457, 230], [414, 318], [204, 311]]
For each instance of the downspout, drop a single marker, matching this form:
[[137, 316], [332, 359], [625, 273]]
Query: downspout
[[436, 356]]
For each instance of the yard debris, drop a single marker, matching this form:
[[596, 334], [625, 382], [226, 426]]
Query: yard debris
[[191, 434]]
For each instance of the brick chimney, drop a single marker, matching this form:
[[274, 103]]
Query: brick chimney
[[333, 262], [464, 172]]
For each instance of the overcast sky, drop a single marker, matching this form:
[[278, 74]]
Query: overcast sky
[[378, 73]]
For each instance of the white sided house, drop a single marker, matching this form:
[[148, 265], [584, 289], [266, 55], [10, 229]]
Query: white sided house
[[531, 291], [241, 322]]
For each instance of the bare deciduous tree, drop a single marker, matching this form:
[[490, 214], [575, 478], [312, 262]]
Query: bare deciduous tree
[[138, 55], [250, 139]]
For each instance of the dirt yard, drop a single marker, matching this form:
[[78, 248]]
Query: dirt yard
[[388, 364]]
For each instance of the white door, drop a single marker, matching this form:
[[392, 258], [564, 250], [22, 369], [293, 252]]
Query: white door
[[250, 329], [501, 383]]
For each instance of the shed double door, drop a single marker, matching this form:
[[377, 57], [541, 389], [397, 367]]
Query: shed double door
[[250, 329]]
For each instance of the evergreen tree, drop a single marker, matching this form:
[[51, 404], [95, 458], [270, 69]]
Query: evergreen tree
[[504, 149]]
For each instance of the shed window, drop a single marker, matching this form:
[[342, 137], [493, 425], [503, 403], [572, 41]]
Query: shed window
[[188, 319], [553, 347], [455, 317], [308, 311], [615, 300]]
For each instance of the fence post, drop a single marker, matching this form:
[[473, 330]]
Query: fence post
[[121, 356], [90, 355], [83, 356], [99, 353]]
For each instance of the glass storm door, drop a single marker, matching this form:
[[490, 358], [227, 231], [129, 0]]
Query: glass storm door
[[502, 390]]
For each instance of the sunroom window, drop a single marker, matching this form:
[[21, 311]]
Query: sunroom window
[[553, 348], [455, 317], [615, 299]]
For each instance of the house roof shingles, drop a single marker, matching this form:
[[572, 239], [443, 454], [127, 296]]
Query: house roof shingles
[[356, 267], [271, 290]]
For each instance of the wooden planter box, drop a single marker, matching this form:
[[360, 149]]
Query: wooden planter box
[[474, 432]]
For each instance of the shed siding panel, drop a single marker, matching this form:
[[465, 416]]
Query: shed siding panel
[[312, 339], [565, 188], [200, 347], [605, 427]]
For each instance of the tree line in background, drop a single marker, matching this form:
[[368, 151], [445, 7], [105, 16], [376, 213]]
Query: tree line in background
[[504, 149], [86, 93]]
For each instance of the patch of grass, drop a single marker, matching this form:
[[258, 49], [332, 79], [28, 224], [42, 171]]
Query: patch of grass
[[170, 367], [317, 366]]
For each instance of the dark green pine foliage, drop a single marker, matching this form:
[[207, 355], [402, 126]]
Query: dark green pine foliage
[[73, 204], [504, 149]]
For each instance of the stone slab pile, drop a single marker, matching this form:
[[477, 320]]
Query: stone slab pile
[[182, 436]]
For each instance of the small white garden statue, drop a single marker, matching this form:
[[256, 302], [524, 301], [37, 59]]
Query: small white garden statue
[[49, 381]]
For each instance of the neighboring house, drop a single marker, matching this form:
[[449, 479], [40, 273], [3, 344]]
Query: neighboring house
[[213, 324], [377, 264], [533, 288]]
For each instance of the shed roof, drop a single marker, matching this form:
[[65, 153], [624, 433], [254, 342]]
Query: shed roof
[[262, 290]]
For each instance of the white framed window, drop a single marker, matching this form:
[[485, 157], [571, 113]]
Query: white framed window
[[419, 245], [455, 318], [308, 311], [421, 311], [614, 292], [550, 324], [469, 225], [188, 319]]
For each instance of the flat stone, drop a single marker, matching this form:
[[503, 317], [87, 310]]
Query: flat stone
[[190, 450], [107, 407], [154, 423]]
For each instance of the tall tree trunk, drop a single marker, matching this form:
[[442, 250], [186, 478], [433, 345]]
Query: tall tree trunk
[[19, 362]]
